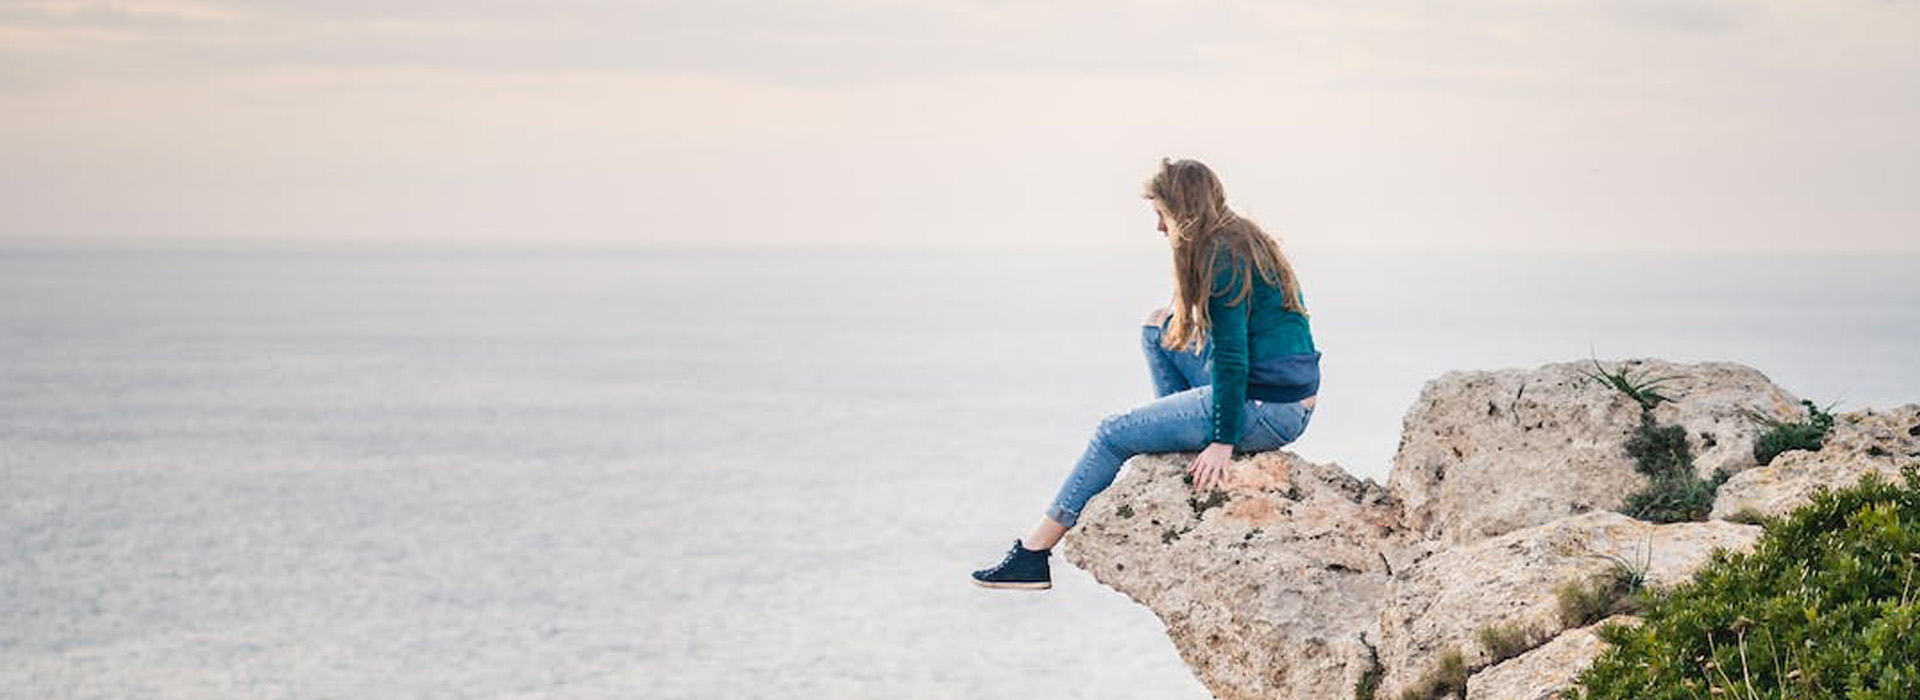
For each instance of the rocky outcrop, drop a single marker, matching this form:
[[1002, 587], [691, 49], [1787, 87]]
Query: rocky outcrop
[[1298, 580], [1877, 441], [1543, 673], [1488, 452], [1267, 588], [1444, 601]]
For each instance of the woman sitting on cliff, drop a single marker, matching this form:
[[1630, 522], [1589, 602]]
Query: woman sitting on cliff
[[1233, 362]]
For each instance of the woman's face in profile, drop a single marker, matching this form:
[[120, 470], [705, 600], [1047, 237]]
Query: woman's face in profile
[[1161, 216]]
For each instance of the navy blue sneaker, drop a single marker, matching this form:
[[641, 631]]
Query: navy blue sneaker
[[1022, 569]]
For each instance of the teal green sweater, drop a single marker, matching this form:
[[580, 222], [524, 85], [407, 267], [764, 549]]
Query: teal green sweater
[[1260, 349]]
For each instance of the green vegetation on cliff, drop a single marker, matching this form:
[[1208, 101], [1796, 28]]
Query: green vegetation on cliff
[[1779, 436], [1674, 493], [1827, 605]]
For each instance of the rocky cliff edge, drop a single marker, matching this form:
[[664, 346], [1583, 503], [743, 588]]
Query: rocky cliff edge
[[1299, 580]]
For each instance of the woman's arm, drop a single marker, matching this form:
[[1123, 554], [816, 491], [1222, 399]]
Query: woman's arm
[[1229, 338]]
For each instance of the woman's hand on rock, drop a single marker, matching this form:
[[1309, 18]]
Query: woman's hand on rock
[[1209, 468]]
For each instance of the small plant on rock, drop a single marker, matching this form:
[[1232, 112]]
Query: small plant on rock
[[1584, 602], [1615, 591], [1642, 388], [1659, 450], [1779, 436], [1675, 498], [1674, 493], [1446, 678], [1510, 639], [1369, 683]]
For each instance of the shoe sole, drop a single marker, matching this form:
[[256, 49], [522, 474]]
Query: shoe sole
[[1015, 585]]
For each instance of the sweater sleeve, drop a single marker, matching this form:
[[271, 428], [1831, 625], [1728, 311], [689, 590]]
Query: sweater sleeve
[[1229, 338]]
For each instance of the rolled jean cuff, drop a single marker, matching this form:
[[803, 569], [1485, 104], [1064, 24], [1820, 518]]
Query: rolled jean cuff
[[1060, 514]]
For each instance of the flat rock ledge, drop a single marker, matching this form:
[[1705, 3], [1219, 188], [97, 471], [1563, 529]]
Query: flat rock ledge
[[1877, 441], [1298, 580]]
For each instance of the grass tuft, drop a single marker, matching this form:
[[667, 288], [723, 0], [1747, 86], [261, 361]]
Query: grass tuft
[[1447, 678], [1616, 591], [1506, 640]]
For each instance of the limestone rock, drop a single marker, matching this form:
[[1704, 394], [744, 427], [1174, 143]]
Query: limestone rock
[[1510, 579], [1880, 441], [1542, 673], [1268, 588], [1488, 452], [1297, 579]]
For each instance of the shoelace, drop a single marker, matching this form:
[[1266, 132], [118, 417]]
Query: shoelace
[[1004, 561], [1011, 553]]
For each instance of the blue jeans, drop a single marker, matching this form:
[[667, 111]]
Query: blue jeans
[[1178, 421]]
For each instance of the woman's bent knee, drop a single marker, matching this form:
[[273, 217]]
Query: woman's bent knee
[[1156, 317], [1150, 337]]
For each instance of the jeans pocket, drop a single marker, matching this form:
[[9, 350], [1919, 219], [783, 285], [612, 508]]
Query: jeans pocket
[[1258, 436], [1285, 421]]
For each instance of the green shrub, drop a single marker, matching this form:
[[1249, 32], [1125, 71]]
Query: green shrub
[[1674, 493], [1826, 605], [1779, 436], [1660, 451], [1675, 498]]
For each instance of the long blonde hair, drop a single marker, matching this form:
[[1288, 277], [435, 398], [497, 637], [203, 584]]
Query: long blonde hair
[[1199, 226]]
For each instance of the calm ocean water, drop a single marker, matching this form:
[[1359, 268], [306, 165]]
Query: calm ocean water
[[703, 474]]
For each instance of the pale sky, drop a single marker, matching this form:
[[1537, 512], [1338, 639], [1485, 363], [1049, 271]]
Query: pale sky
[[1766, 125]]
